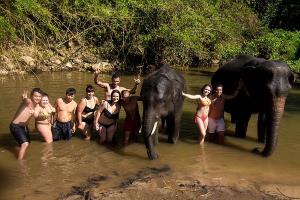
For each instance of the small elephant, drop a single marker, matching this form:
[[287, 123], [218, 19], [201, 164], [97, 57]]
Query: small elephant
[[267, 84], [162, 98]]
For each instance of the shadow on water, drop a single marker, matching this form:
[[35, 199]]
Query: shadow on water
[[5, 180], [8, 143]]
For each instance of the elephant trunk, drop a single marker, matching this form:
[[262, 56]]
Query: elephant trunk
[[273, 121], [149, 126]]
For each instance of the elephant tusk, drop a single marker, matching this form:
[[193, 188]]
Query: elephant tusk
[[154, 128]]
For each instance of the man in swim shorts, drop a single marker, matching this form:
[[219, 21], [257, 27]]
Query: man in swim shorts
[[114, 85], [132, 121], [216, 123], [19, 125], [64, 125]]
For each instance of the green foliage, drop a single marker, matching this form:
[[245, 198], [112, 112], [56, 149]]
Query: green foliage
[[7, 31], [277, 45], [134, 32]]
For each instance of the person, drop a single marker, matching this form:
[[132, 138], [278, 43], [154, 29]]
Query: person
[[64, 125], [105, 121], [132, 122], [201, 117], [114, 85], [85, 112], [43, 114], [216, 123], [19, 125]]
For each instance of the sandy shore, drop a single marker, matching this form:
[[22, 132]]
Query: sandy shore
[[161, 183]]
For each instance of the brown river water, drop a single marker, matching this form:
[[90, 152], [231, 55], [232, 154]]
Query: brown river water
[[51, 170]]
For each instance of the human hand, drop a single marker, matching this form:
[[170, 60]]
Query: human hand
[[137, 81], [73, 129], [80, 126], [25, 94]]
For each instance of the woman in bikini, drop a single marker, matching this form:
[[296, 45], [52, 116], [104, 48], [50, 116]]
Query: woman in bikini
[[43, 114], [85, 112], [201, 117], [106, 118]]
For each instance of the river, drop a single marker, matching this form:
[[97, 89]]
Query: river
[[48, 171]]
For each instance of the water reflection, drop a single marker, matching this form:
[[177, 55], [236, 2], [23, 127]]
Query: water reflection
[[54, 168]]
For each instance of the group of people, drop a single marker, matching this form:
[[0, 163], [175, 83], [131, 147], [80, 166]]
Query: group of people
[[59, 122], [209, 116]]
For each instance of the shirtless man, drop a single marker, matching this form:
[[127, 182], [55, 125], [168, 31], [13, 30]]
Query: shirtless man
[[18, 126], [132, 121], [216, 123], [64, 125], [114, 85]]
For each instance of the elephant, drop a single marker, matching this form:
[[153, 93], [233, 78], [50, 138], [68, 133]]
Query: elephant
[[266, 87], [162, 99]]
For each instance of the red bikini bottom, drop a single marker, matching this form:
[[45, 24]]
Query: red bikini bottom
[[203, 118]]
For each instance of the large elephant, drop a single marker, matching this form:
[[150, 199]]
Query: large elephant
[[162, 98], [267, 84]]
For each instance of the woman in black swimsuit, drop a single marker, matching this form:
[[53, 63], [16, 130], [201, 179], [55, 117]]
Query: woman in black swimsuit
[[106, 118], [85, 112]]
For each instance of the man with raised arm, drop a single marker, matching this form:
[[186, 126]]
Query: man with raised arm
[[114, 85], [19, 125]]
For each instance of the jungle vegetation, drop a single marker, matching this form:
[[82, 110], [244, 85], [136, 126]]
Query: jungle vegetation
[[188, 33]]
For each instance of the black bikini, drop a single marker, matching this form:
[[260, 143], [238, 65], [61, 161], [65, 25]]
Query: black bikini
[[89, 110], [109, 115]]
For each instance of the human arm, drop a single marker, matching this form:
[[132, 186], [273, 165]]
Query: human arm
[[99, 82], [191, 96], [136, 83], [80, 108], [25, 98], [74, 118], [97, 116]]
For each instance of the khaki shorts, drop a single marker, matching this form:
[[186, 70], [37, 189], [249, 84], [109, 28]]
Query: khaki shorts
[[216, 125]]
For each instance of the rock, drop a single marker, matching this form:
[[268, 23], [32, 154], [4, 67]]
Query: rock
[[89, 58], [77, 61], [56, 61], [215, 61], [4, 59], [3, 72], [27, 60], [102, 66], [69, 65]]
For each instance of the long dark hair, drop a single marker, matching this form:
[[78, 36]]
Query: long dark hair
[[112, 93], [204, 86]]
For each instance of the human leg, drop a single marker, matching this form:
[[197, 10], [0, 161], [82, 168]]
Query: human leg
[[220, 131], [102, 134], [21, 135], [111, 130], [45, 131], [86, 130], [201, 130], [211, 129], [22, 150]]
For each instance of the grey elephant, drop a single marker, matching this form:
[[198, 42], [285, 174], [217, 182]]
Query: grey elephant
[[161, 94], [267, 84]]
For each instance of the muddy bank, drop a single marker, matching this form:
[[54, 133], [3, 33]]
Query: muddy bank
[[72, 55], [161, 183]]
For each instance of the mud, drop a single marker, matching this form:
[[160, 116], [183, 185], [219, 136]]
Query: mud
[[161, 183]]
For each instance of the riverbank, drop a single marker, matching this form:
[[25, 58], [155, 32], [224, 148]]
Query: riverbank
[[161, 183], [73, 55]]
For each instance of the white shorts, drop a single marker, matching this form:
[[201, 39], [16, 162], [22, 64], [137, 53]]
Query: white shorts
[[216, 125]]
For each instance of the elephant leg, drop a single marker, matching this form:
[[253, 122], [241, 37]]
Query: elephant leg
[[261, 128], [242, 124], [170, 128]]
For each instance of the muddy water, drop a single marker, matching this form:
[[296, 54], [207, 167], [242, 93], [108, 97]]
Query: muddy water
[[48, 171]]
